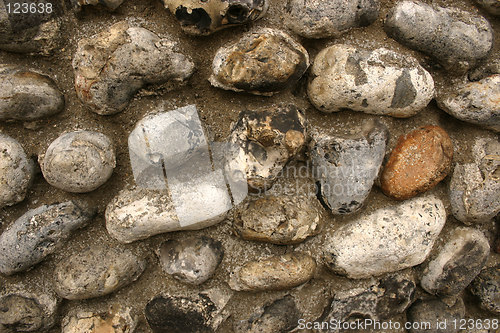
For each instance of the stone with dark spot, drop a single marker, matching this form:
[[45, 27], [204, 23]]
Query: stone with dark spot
[[486, 286], [420, 160], [433, 311], [457, 263], [379, 82]]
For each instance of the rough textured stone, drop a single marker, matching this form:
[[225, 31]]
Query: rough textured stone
[[117, 320], [280, 316], [476, 102], [420, 160], [96, 271], [26, 95], [112, 66], [475, 187], [323, 19], [486, 286], [262, 63], [274, 273], [379, 82], [208, 16], [491, 6], [458, 262], [39, 233], [388, 240], [434, 311], [455, 38], [78, 161], [191, 260], [16, 171], [346, 167], [267, 139]]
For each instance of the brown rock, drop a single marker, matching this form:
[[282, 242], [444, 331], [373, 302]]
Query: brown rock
[[420, 160]]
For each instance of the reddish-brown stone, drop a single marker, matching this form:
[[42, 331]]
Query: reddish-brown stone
[[420, 160]]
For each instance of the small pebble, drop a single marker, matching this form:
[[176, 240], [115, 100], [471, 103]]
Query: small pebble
[[379, 82], [16, 171], [435, 311], [486, 286], [455, 38], [191, 260], [420, 160], [96, 272], [274, 273], [262, 63], [325, 19], [117, 320], [457, 263], [39, 233], [388, 240]]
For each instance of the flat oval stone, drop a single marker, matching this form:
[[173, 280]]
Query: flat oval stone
[[388, 240], [25, 95], [420, 160], [262, 63], [455, 38], [39, 233], [486, 286], [96, 272], [458, 262], [274, 273], [379, 82]]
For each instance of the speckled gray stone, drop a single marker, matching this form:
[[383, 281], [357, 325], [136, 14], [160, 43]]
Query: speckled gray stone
[[39, 233], [486, 286], [455, 38], [380, 82], [433, 311]]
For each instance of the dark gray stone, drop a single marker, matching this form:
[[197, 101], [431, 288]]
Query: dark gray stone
[[434, 311], [486, 286]]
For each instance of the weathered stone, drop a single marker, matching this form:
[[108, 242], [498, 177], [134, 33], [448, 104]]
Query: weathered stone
[[280, 316], [267, 139], [323, 19], [16, 171], [207, 16], [79, 161], [96, 271], [346, 167], [116, 320], [491, 6], [457, 263], [476, 102], [191, 260], [435, 311], [262, 63], [112, 66], [39, 233], [388, 240], [274, 273], [379, 82], [420, 160], [486, 286], [455, 38], [26, 95], [475, 187]]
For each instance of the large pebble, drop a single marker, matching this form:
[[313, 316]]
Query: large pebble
[[388, 240], [486, 286], [279, 219], [455, 38], [78, 161], [434, 313], [112, 66], [116, 320], [457, 263], [267, 139], [39, 233], [475, 187], [379, 82], [205, 17], [346, 167], [280, 316], [26, 95], [274, 273], [262, 62], [420, 160], [476, 102], [96, 271], [323, 19], [16, 171], [191, 260]]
